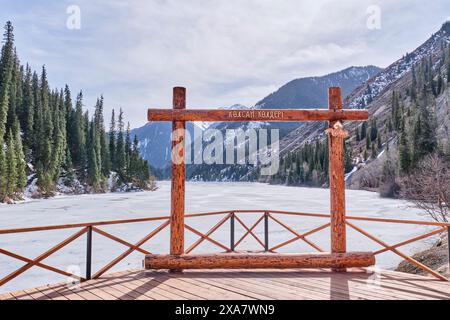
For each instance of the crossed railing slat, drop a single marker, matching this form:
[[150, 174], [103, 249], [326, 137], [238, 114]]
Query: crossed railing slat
[[392, 248], [38, 261], [249, 231]]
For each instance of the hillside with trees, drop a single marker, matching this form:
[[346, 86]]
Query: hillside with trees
[[49, 144], [409, 107]]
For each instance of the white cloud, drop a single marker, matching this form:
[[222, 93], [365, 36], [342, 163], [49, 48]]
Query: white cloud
[[224, 52]]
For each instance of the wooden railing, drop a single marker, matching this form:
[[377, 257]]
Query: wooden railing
[[233, 217]]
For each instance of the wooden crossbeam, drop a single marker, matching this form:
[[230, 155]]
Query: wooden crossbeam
[[275, 115], [259, 260], [335, 115]]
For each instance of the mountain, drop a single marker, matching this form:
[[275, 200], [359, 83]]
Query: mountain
[[154, 141], [409, 117], [305, 93], [311, 92]]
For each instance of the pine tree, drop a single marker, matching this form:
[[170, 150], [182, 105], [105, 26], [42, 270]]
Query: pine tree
[[379, 142], [413, 91], [448, 71], [105, 160], [13, 92], [396, 112], [120, 147], [3, 175], [28, 109], [40, 126], [112, 141], [404, 153], [59, 135], [440, 85], [37, 123], [21, 163], [70, 173], [46, 166], [11, 166], [93, 171], [69, 112], [78, 140], [127, 152], [368, 141], [6, 69], [363, 130]]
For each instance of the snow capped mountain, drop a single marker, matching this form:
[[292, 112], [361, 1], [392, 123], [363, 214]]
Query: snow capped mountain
[[311, 92], [372, 88], [154, 138], [203, 125]]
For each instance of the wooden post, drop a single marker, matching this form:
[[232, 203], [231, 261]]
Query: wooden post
[[178, 176], [336, 135]]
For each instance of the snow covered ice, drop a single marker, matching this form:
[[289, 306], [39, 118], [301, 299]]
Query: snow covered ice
[[201, 197]]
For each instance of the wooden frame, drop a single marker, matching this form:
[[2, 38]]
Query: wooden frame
[[335, 114]]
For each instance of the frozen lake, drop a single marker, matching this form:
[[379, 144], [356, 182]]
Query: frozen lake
[[201, 197]]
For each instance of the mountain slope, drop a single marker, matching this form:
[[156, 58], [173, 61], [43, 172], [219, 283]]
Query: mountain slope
[[311, 92], [304, 93], [399, 99], [154, 141], [374, 94]]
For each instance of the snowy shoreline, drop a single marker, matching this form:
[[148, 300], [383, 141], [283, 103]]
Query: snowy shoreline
[[201, 197]]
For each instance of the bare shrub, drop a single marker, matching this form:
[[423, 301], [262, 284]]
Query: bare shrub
[[429, 187]]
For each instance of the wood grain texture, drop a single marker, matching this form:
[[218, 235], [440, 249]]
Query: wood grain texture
[[336, 176], [178, 175], [246, 284], [259, 261], [270, 115]]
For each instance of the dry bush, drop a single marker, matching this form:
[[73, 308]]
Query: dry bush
[[429, 187]]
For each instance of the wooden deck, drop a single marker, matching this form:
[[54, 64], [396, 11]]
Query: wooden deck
[[245, 285]]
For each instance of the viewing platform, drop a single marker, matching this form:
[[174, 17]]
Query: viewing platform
[[317, 284]]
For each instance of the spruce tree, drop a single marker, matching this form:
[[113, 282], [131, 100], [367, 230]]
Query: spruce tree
[[14, 87], [112, 141], [404, 153], [21, 168], [11, 166], [105, 160], [28, 109], [448, 71], [3, 175], [77, 140], [6, 68], [59, 136], [46, 168], [40, 126], [120, 147], [413, 91], [363, 130], [127, 152], [93, 171]]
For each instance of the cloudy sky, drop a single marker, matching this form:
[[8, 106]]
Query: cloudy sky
[[223, 51]]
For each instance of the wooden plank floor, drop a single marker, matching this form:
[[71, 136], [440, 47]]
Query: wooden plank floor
[[246, 285]]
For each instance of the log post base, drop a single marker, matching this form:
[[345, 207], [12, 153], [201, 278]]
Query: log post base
[[259, 261]]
